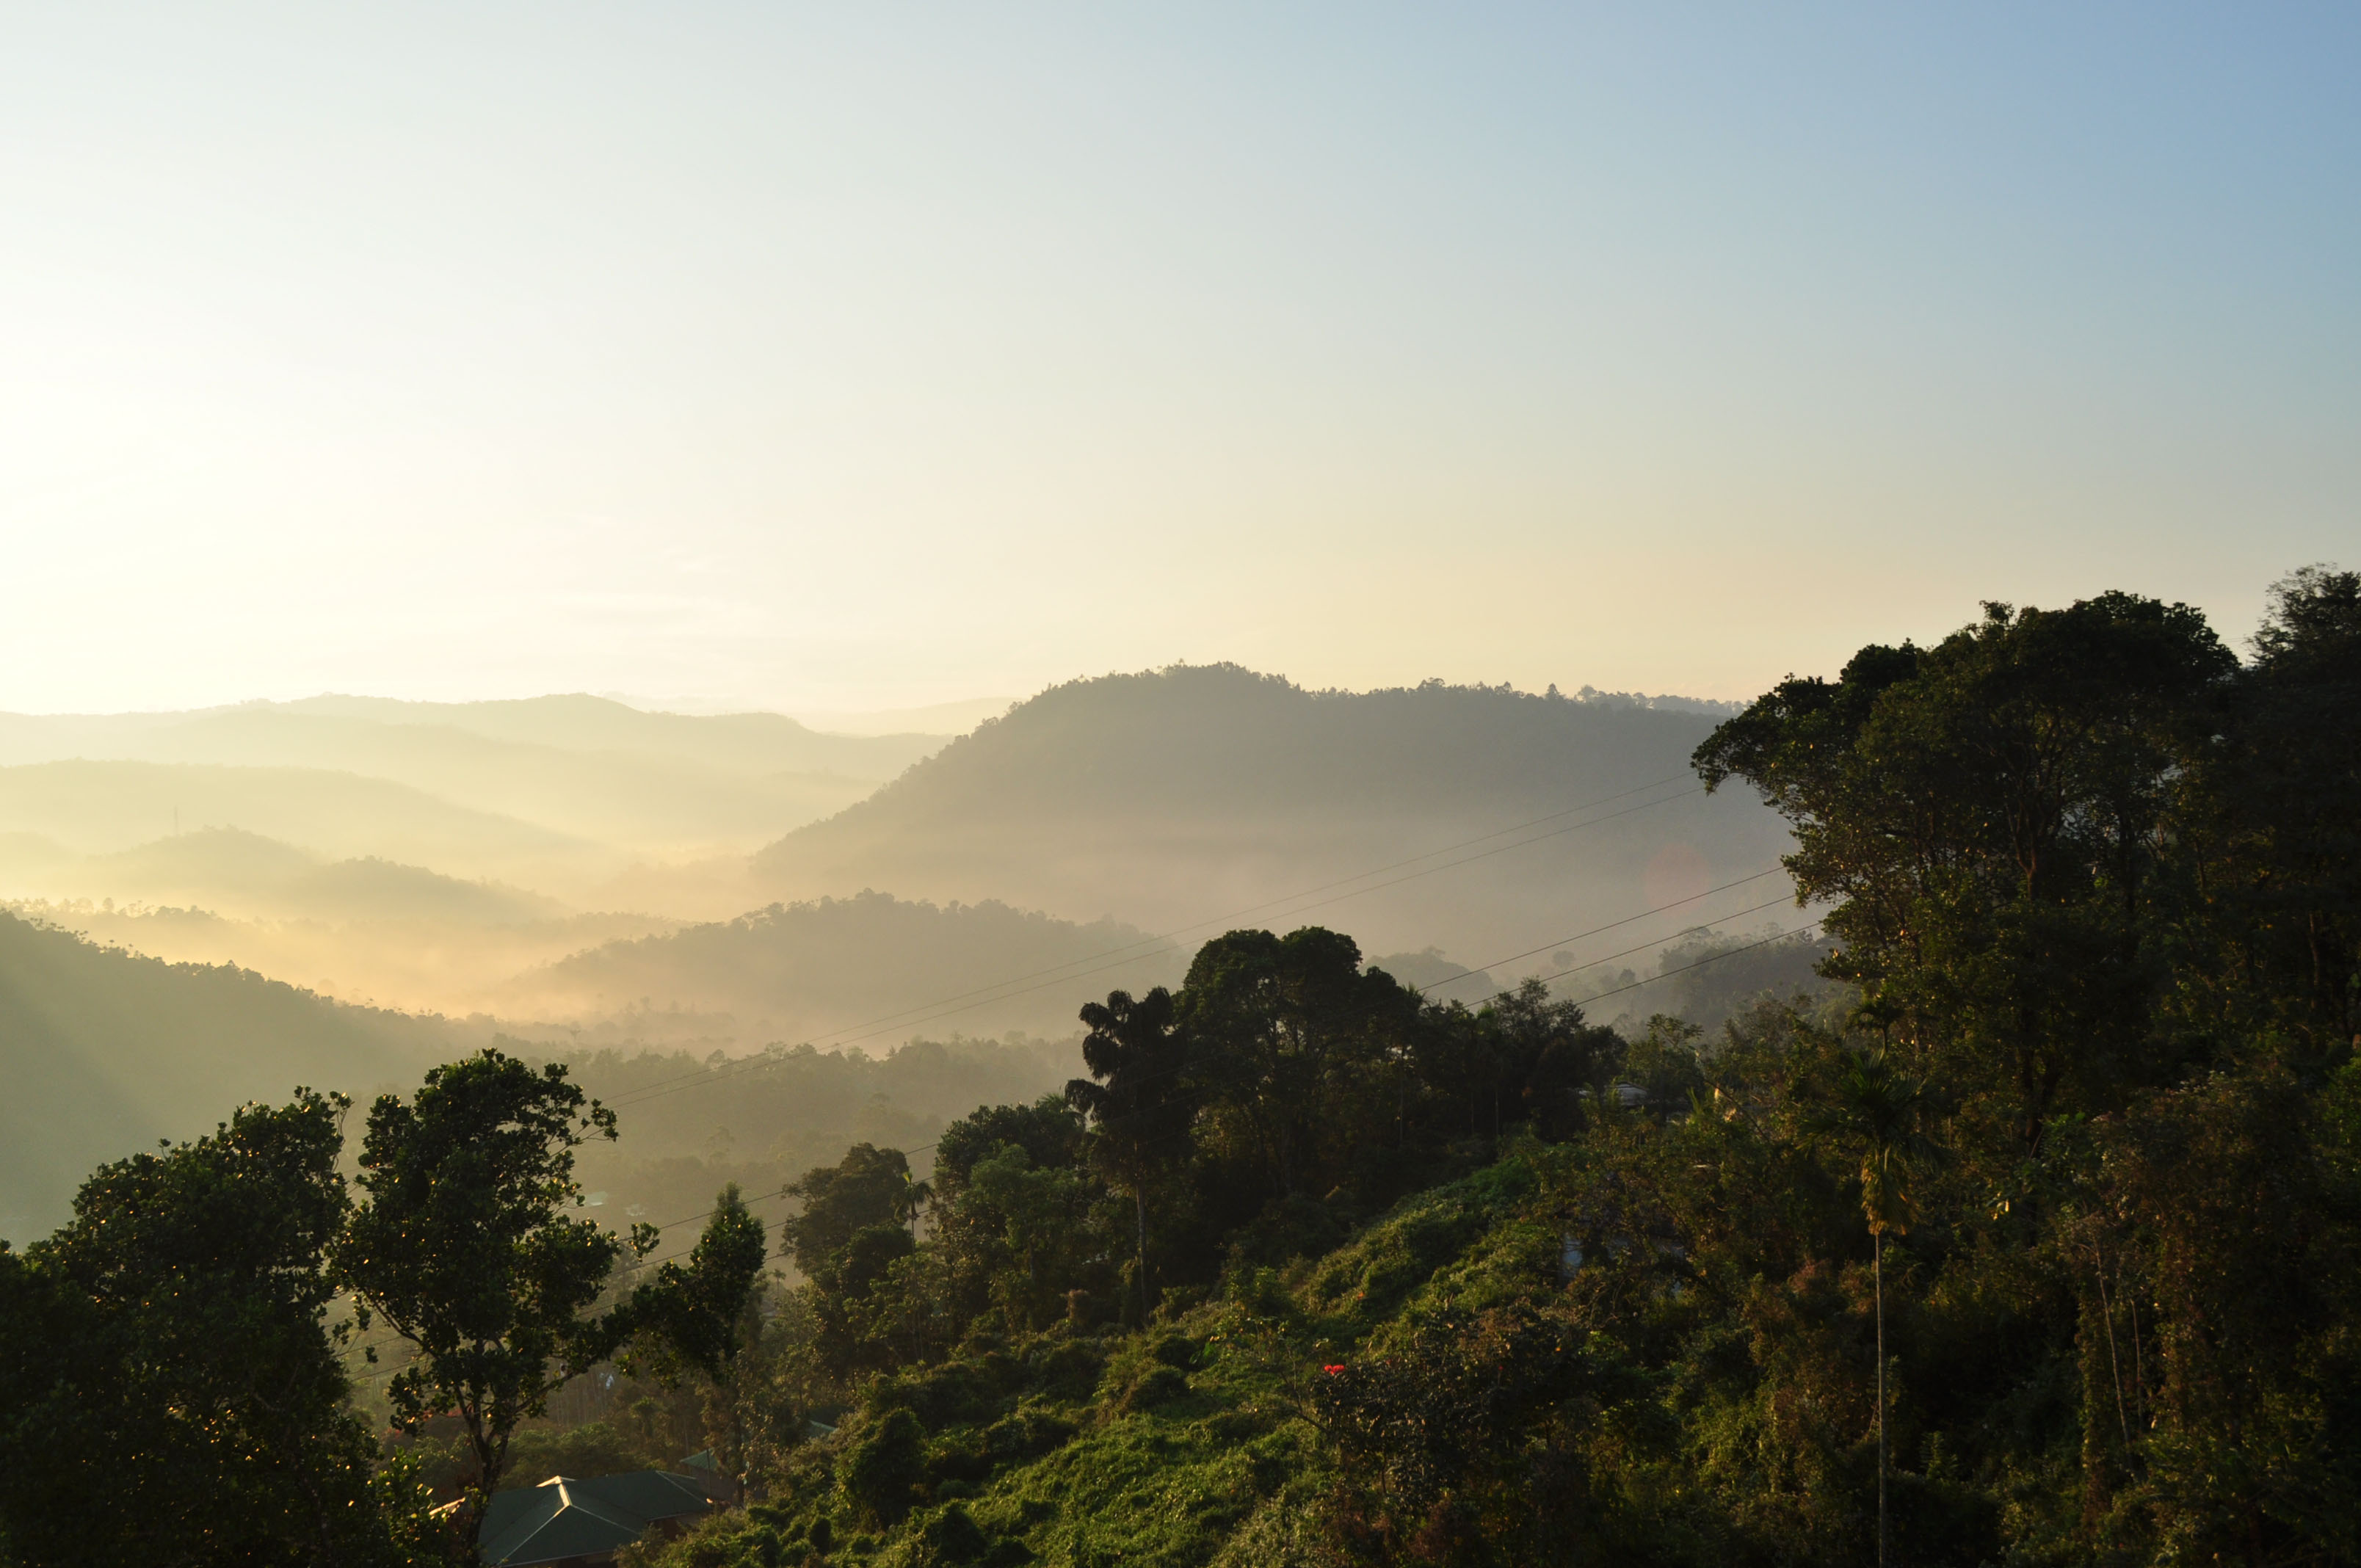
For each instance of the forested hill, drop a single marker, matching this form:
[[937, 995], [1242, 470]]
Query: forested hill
[[1183, 794], [102, 1053], [855, 971]]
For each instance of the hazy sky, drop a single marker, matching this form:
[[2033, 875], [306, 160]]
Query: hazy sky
[[852, 356]]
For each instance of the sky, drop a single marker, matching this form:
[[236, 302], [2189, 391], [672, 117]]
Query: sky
[[852, 357]]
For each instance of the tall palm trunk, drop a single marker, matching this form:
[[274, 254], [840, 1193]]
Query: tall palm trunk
[[1877, 1267], [1139, 1202]]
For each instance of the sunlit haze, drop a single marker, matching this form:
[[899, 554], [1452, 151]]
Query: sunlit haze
[[855, 357]]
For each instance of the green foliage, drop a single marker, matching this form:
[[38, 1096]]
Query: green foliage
[[167, 1347], [692, 1317], [869, 1188], [1139, 1104], [882, 1468], [464, 1246], [1297, 1050], [2044, 1251]]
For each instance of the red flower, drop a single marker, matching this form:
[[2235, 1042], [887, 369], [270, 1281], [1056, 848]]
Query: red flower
[[1331, 1371]]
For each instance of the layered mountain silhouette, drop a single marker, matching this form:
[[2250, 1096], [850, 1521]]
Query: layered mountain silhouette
[[564, 789], [1200, 796], [863, 972], [463, 859]]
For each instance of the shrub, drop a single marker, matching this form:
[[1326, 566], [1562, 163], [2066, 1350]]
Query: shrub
[[881, 1472]]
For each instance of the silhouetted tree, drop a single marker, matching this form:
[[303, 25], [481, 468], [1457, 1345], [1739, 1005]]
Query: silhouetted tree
[[464, 1246], [1140, 1104], [167, 1393]]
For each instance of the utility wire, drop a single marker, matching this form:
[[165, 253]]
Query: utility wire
[[1324, 887], [1595, 931], [674, 1256], [1684, 969]]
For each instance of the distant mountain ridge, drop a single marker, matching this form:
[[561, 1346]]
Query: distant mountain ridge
[[1179, 795], [106, 806], [263, 876], [580, 767], [753, 742]]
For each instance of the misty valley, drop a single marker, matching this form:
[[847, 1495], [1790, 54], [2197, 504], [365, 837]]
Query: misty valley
[[1193, 1119], [599, 884]]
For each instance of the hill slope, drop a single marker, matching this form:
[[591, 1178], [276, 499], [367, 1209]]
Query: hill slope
[[102, 1053], [1188, 793]]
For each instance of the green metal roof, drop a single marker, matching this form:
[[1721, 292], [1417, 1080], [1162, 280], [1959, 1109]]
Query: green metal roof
[[563, 1518]]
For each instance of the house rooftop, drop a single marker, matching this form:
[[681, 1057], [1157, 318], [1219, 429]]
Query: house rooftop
[[564, 1521]]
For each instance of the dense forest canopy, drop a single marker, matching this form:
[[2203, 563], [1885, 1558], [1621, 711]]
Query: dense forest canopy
[[2034, 1236]]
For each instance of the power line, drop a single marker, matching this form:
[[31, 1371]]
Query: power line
[[1594, 963], [891, 1018], [1595, 931], [1616, 991], [782, 1192], [1185, 1063], [1710, 958]]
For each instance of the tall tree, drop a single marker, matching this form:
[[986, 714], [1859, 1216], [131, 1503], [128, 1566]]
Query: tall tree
[[1988, 817], [854, 1230], [1297, 1050], [466, 1245], [695, 1319], [169, 1392], [1871, 1115], [1139, 1102], [969, 1233], [2285, 787]]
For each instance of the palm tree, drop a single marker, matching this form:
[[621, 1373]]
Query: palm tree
[[1872, 1115]]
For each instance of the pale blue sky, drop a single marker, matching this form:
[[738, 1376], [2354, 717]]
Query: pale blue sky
[[850, 357]]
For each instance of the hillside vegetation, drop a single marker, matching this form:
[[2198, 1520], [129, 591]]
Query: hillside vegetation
[[2034, 1236], [2039, 1243]]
